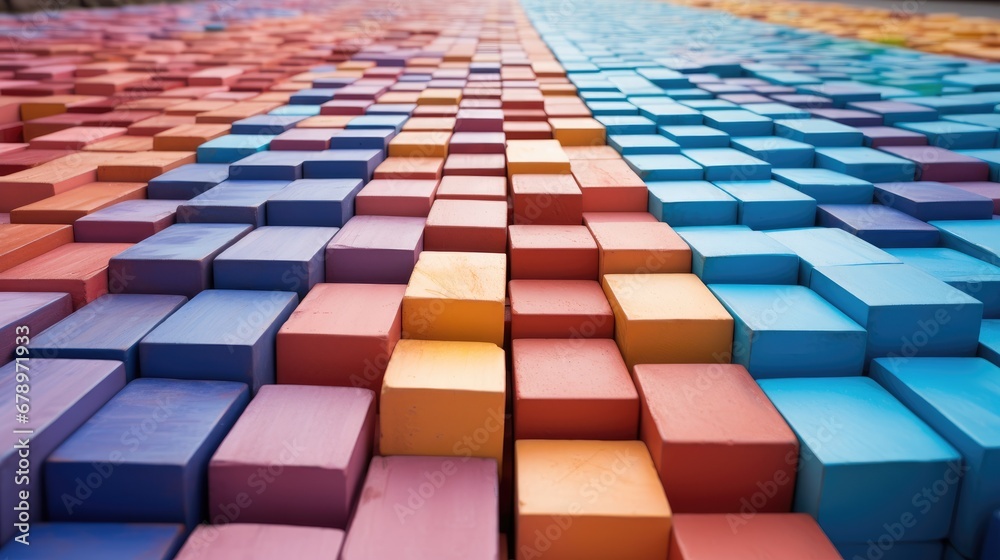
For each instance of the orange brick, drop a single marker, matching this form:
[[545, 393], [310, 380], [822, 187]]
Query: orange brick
[[410, 168], [22, 242], [609, 186], [67, 207], [187, 138]]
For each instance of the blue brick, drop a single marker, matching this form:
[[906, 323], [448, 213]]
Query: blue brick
[[705, 105], [696, 136], [296, 111], [989, 341], [232, 147], [770, 204], [991, 119], [902, 307], [189, 420], [979, 238], [665, 167], [177, 260], [232, 202], [280, 258], [108, 328], [612, 108], [865, 163], [976, 278], [688, 93], [960, 399], [860, 446], [789, 331], [362, 139], [270, 166], [187, 181], [638, 144], [314, 202], [727, 164], [827, 187], [665, 78], [829, 247], [313, 96], [690, 203], [342, 164], [672, 114], [982, 81], [953, 135], [738, 255], [627, 125], [739, 123], [819, 132], [95, 541], [778, 151], [224, 335]]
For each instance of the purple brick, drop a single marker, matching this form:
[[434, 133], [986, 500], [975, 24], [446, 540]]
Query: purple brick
[[896, 111], [458, 519], [322, 439], [879, 136], [927, 200], [879, 225], [375, 250], [240, 541], [130, 221], [938, 164], [35, 310]]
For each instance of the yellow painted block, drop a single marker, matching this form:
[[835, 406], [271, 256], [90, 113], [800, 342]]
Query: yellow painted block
[[668, 319], [536, 156], [456, 296], [583, 131], [187, 137], [589, 500], [419, 144], [443, 399], [439, 96]]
